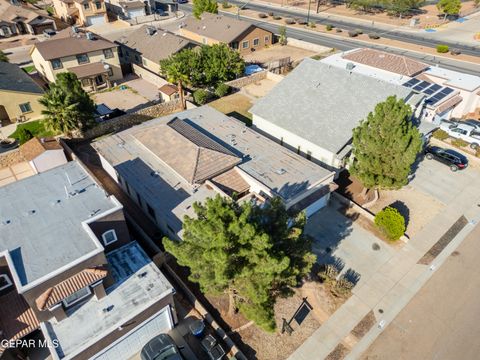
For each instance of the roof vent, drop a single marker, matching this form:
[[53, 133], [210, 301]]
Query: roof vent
[[6, 222], [150, 30], [350, 66], [90, 36], [280, 171], [204, 27]]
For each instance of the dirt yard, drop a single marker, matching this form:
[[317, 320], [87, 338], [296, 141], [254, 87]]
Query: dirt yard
[[277, 52], [278, 346], [417, 208], [259, 89], [235, 105]]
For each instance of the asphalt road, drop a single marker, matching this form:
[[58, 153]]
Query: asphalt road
[[413, 38], [442, 320], [348, 44]]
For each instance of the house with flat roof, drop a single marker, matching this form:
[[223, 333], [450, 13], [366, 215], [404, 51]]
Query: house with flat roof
[[92, 58], [19, 95], [217, 29], [81, 12], [18, 19], [456, 94], [69, 269], [167, 164], [314, 109]]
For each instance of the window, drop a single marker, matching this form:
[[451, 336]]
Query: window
[[256, 42], [5, 281], [108, 53], [98, 5], [86, 6], [267, 39], [82, 59], [77, 296], [109, 237], [245, 44], [56, 64], [25, 108]]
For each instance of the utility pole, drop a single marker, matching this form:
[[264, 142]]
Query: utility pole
[[308, 13]]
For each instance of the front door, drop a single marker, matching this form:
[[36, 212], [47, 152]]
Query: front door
[[4, 119], [99, 80]]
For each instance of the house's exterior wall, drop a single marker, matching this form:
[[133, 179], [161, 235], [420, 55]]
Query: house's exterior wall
[[264, 39], [114, 221], [11, 100], [61, 9], [48, 160], [32, 294], [46, 69], [295, 142]]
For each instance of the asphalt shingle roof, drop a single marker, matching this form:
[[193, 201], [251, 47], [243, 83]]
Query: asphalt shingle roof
[[322, 103], [12, 78]]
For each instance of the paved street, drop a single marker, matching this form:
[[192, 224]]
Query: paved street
[[399, 277], [441, 322]]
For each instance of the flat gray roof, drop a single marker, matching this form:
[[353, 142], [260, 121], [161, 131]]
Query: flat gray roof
[[130, 295], [41, 226], [322, 103]]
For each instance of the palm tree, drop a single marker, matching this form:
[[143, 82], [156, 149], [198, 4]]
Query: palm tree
[[175, 72], [3, 57]]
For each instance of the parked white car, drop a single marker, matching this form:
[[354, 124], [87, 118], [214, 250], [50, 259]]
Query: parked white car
[[465, 132]]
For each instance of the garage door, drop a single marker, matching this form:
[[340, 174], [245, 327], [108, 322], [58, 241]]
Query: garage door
[[132, 342], [95, 20], [317, 205], [136, 12]]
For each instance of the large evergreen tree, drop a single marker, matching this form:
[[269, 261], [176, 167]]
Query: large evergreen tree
[[385, 145], [67, 106], [449, 7], [201, 6], [247, 252]]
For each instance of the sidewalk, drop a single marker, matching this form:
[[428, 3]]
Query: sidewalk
[[388, 291]]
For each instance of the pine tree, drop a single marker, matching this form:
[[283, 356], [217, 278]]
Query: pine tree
[[244, 251], [449, 7], [385, 145], [67, 106]]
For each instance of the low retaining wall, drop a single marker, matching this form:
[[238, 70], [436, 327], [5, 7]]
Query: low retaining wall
[[149, 75], [247, 80], [128, 120], [307, 46], [10, 158]]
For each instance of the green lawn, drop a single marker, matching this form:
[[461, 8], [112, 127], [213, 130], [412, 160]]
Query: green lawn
[[37, 128], [29, 69], [236, 105]]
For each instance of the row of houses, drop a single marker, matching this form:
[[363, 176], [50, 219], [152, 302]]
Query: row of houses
[[17, 19]]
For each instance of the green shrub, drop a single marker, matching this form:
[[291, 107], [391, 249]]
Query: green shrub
[[352, 33], [329, 27], [440, 134], [262, 16], [338, 30], [201, 96], [289, 21], [391, 223], [226, 5], [276, 17], [311, 24], [442, 49], [374, 36], [358, 31], [222, 90], [301, 21], [23, 135], [271, 13], [459, 143]]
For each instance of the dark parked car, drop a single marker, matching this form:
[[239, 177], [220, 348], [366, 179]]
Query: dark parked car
[[161, 347], [49, 32], [451, 158]]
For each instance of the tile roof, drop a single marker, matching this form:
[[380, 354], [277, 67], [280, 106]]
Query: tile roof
[[201, 157], [12, 78], [158, 46], [67, 43], [35, 147], [9, 13], [222, 28], [386, 61], [17, 319], [86, 70], [449, 103], [231, 182], [67, 287]]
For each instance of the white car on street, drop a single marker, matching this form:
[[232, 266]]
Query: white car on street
[[466, 132]]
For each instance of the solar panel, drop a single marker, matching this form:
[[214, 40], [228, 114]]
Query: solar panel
[[432, 89], [411, 82], [440, 95], [423, 85]]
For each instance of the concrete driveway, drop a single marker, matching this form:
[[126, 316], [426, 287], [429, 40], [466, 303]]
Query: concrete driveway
[[338, 239]]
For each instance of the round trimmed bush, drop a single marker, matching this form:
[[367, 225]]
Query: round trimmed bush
[[391, 223], [270, 13], [352, 33], [338, 30], [226, 5], [276, 17], [301, 21], [329, 27], [358, 31], [455, 51], [289, 21], [222, 90], [201, 96], [374, 36], [262, 16], [442, 49]]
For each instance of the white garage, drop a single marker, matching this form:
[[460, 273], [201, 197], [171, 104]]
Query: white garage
[[317, 205], [95, 20], [132, 342]]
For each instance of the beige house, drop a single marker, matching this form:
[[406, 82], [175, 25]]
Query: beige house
[[214, 29], [20, 19], [82, 12], [93, 59], [19, 95]]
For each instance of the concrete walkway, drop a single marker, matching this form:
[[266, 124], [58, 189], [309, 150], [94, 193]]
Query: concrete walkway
[[393, 285]]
